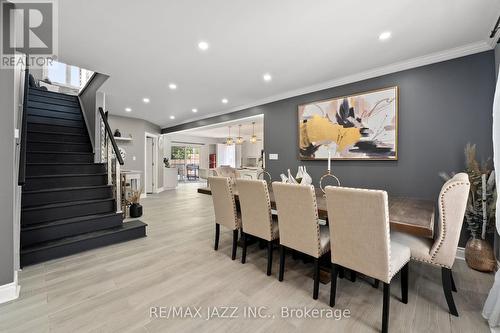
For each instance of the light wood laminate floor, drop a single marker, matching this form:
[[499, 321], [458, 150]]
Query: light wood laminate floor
[[111, 289]]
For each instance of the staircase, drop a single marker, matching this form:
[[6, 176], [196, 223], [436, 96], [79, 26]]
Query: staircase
[[67, 204]]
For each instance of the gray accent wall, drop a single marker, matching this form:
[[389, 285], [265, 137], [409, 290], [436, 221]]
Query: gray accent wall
[[442, 106], [8, 181], [88, 101], [137, 128]]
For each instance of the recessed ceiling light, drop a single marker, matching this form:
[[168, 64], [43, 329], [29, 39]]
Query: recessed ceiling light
[[203, 45], [385, 35], [225, 101], [172, 86], [172, 117], [267, 77], [194, 110], [128, 109], [146, 100]]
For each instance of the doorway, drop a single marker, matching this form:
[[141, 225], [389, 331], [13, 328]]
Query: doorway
[[151, 163]]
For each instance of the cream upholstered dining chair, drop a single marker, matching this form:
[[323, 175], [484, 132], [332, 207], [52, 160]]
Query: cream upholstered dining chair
[[441, 251], [225, 209], [360, 240], [299, 227], [256, 217]]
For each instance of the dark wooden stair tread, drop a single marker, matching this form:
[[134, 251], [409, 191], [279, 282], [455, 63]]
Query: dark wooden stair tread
[[68, 175], [75, 188], [58, 133], [65, 221], [65, 204], [58, 152], [79, 238]]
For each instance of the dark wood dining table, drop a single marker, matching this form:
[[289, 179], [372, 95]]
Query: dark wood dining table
[[409, 215]]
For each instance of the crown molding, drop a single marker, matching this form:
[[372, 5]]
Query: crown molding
[[449, 54]]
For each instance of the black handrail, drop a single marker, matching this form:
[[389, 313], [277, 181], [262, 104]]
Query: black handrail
[[21, 178], [111, 136]]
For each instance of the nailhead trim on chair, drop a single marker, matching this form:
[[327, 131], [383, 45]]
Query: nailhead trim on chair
[[268, 200], [237, 221], [442, 231], [315, 208], [429, 262]]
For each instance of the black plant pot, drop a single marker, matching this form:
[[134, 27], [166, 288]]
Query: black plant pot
[[135, 210]]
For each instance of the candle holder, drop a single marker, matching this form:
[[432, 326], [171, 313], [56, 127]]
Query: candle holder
[[326, 175]]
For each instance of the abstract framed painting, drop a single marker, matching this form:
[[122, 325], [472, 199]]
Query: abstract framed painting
[[363, 126]]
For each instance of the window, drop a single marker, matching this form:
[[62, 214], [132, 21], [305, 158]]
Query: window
[[182, 156], [67, 75]]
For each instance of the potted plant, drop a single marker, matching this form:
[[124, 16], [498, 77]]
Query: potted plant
[[135, 207], [480, 212]]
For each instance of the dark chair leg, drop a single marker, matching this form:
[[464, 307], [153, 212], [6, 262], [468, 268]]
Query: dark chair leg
[[353, 276], [269, 257], [316, 278], [217, 232], [447, 287], [244, 245], [235, 243], [282, 263], [385, 309], [453, 286], [404, 284], [341, 271], [375, 283], [333, 286]]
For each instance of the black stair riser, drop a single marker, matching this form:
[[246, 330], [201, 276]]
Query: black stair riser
[[34, 157], [56, 128], [34, 236], [61, 182], [51, 94], [51, 197], [52, 101], [67, 147], [34, 216], [54, 114], [58, 137], [60, 169], [71, 108], [55, 121], [65, 250]]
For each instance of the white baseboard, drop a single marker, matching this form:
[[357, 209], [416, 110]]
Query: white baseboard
[[159, 190], [144, 195], [10, 291], [460, 253]]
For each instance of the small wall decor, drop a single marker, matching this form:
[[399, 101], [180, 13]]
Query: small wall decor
[[361, 126], [117, 133]]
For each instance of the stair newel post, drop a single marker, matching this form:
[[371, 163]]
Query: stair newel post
[[109, 158], [118, 188]]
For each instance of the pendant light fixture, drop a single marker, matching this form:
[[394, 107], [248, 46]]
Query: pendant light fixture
[[253, 139], [229, 140], [239, 139]]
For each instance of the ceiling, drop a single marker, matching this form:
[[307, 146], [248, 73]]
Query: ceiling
[[221, 130], [305, 45]]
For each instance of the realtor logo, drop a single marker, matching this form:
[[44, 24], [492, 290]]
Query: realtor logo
[[28, 27]]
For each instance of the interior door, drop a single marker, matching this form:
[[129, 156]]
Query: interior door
[[149, 165]]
